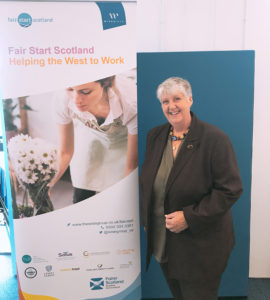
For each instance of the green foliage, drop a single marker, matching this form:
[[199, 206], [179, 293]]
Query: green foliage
[[25, 211], [9, 115]]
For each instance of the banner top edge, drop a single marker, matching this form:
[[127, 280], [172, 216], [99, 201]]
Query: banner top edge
[[42, 1]]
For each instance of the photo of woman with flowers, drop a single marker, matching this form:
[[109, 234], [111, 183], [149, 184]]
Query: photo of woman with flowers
[[97, 120]]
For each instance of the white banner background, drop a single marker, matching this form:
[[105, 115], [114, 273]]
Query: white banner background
[[98, 238]]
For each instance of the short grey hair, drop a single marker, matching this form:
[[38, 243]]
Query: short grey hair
[[174, 83]]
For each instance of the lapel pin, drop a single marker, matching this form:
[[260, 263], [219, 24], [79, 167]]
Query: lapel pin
[[189, 147]]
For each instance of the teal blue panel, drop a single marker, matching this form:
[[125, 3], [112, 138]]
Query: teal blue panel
[[223, 87], [7, 191]]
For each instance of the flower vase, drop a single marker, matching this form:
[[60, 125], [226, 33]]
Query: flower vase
[[42, 200]]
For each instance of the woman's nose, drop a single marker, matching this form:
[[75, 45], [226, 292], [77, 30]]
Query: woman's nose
[[78, 98], [171, 104]]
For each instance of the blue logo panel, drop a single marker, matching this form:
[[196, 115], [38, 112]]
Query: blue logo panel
[[112, 13], [25, 20], [26, 259]]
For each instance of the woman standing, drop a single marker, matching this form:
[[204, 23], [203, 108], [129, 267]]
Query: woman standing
[[98, 134], [189, 181]]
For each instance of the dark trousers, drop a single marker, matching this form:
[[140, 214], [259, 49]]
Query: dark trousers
[[80, 194], [185, 290]]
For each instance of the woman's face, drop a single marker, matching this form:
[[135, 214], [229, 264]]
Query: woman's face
[[176, 107], [86, 96]]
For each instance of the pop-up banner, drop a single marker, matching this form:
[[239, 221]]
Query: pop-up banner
[[68, 82]]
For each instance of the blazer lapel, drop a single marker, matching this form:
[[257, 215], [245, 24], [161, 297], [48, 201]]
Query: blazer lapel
[[186, 152]]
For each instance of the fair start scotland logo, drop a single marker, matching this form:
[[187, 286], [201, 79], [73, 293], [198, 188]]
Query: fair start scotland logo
[[25, 20]]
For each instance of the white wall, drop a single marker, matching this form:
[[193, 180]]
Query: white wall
[[193, 25], [257, 37], [41, 121]]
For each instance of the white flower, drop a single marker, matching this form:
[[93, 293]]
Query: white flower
[[47, 177], [31, 177], [33, 160]]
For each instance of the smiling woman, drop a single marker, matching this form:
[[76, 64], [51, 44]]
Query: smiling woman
[[189, 180], [176, 99]]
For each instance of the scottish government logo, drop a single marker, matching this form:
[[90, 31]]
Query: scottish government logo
[[25, 20], [97, 284]]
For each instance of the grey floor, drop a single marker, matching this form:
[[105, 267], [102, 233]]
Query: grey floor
[[258, 289]]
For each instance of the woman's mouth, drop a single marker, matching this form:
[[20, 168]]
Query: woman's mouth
[[173, 113], [80, 106]]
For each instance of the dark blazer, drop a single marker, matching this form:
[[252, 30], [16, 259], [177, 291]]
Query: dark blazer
[[204, 182]]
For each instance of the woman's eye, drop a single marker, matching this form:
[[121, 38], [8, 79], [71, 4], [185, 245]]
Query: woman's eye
[[177, 99], [85, 92], [165, 102]]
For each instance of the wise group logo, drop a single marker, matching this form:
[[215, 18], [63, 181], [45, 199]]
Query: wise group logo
[[112, 13], [97, 283]]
